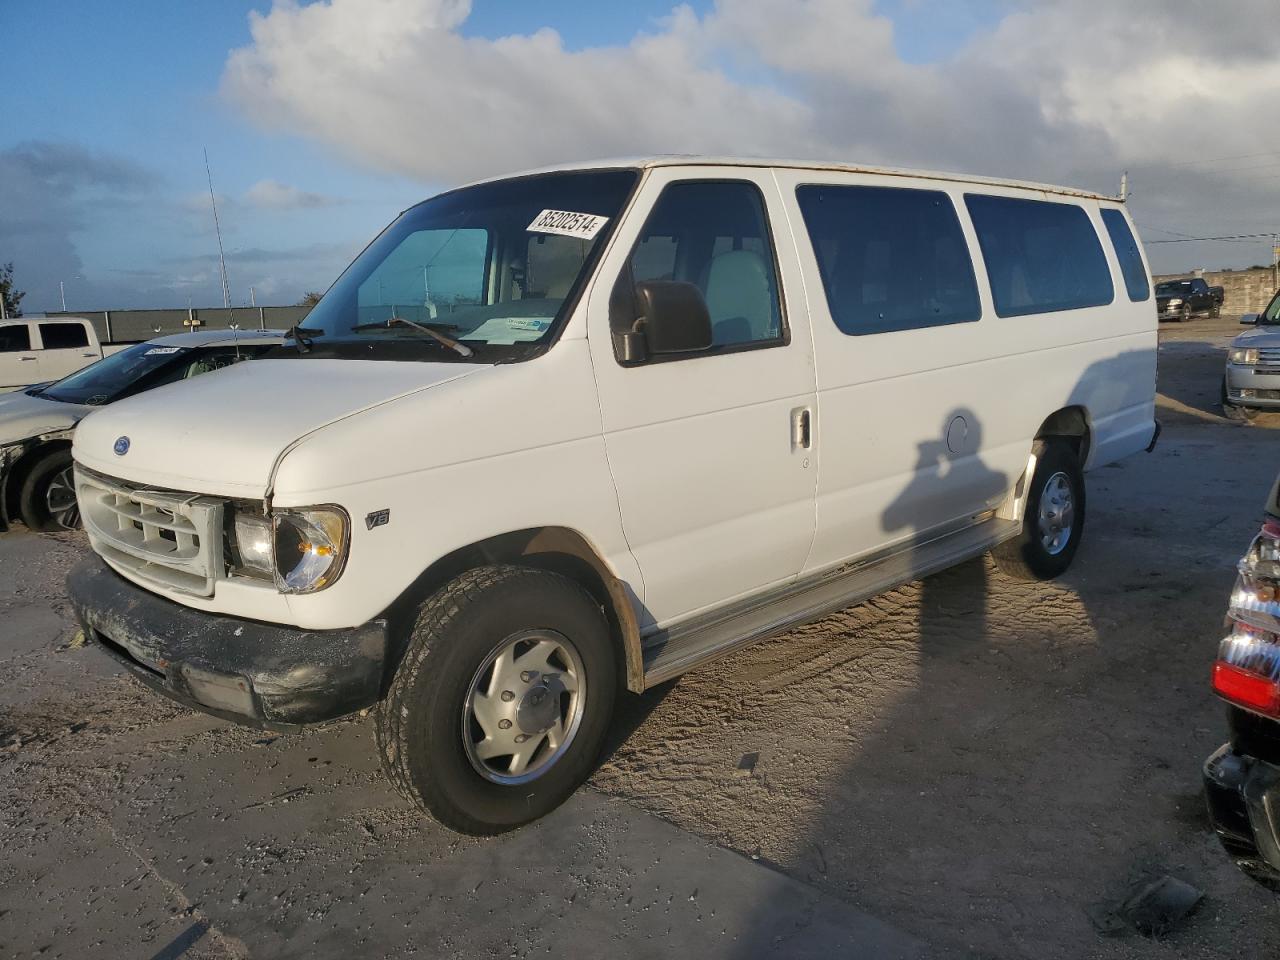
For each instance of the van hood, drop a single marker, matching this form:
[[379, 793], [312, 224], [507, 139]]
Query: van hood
[[23, 416], [222, 433]]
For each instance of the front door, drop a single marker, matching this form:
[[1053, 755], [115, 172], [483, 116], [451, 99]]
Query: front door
[[711, 451]]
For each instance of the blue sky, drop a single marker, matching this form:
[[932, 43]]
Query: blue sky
[[109, 107]]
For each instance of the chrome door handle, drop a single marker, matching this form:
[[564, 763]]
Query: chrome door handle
[[801, 432]]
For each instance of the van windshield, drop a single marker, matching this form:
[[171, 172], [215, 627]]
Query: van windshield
[[481, 274]]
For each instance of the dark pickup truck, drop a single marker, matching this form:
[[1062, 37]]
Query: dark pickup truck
[[1183, 299]]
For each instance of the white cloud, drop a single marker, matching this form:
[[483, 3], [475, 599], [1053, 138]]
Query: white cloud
[[1059, 90], [273, 195]]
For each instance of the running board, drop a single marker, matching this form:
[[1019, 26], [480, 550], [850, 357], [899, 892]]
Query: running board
[[670, 653]]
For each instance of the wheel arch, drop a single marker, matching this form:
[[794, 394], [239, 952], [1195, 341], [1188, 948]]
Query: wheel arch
[[30, 452], [1072, 424], [559, 550]]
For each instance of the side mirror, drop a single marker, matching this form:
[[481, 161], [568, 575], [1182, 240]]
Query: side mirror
[[1249, 319], [672, 316]]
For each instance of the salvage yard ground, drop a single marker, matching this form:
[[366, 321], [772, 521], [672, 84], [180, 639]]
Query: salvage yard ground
[[962, 767]]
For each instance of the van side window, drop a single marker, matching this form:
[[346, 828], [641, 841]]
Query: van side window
[[890, 258], [15, 339], [1135, 274], [714, 234], [1041, 256], [63, 336]]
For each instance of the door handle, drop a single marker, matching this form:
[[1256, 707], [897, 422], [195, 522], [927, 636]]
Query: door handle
[[26, 358], [801, 432]]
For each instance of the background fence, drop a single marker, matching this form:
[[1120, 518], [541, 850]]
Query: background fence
[[118, 325]]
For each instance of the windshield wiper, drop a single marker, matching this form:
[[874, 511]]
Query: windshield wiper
[[302, 336], [461, 349]]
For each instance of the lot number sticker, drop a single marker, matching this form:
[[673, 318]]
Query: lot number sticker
[[567, 223]]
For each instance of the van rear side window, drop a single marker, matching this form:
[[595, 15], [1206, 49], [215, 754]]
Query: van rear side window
[[890, 258], [1135, 274], [1041, 256]]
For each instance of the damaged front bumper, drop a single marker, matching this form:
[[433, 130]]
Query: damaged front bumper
[[1243, 795], [256, 673]]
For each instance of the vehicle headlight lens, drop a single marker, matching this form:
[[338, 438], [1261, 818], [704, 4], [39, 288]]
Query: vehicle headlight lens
[[1175, 302], [1246, 355], [301, 550]]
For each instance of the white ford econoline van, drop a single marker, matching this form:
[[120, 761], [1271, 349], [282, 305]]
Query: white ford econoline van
[[586, 428]]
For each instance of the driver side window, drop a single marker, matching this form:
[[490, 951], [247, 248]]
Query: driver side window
[[715, 235]]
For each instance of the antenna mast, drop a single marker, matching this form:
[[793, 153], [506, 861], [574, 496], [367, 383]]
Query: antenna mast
[[217, 229]]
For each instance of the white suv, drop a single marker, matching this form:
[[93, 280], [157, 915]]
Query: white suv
[[583, 429]]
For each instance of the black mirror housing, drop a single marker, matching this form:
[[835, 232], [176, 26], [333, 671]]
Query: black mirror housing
[[673, 317]]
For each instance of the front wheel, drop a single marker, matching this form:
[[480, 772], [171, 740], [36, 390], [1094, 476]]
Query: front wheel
[[1053, 519], [47, 500], [1215, 311], [500, 706]]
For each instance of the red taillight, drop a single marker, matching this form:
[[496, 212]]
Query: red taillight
[[1247, 689]]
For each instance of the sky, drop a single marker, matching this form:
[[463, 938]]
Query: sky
[[323, 120]]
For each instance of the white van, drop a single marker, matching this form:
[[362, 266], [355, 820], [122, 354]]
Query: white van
[[583, 429]]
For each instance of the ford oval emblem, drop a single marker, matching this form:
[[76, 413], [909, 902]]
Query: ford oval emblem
[[121, 446]]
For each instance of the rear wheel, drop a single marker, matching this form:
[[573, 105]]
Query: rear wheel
[[1053, 520], [500, 706], [47, 500]]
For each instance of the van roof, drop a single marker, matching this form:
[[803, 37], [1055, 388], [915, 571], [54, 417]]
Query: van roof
[[692, 160]]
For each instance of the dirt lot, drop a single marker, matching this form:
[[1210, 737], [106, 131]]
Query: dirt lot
[[972, 763]]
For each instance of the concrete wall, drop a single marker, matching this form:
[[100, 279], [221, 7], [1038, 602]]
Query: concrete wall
[[117, 325], [1248, 291]]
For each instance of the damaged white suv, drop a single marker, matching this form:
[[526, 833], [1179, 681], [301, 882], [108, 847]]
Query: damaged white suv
[[566, 433]]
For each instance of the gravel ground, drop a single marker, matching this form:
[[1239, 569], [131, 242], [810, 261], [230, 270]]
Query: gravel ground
[[972, 761]]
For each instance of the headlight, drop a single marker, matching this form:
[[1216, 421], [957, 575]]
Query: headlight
[[1245, 355], [1175, 302], [301, 550]]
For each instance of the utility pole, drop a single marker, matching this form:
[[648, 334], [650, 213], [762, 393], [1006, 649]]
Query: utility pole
[[252, 301], [62, 292], [1124, 185]]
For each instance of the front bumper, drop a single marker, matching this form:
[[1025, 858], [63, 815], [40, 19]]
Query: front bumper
[[256, 673], [1253, 387], [1243, 795]]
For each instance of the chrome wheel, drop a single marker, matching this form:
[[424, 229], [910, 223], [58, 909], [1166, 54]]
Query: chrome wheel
[[1057, 513], [60, 500], [524, 706]]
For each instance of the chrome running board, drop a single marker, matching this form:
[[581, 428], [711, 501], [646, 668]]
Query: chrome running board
[[707, 637]]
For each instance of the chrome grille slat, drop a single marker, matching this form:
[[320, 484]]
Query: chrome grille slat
[[173, 540], [1268, 357]]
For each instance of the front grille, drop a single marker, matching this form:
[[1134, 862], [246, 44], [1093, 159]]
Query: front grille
[[173, 540], [1268, 357]]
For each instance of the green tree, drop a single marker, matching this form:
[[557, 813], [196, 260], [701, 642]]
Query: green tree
[[310, 299], [12, 298]]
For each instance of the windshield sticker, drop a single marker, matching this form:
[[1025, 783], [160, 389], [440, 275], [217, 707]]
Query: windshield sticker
[[567, 223], [159, 350], [504, 331]]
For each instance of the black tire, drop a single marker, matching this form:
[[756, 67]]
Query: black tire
[[1185, 315], [1216, 311], [1025, 557], [52, 471], [1233, 411], [420, 723]]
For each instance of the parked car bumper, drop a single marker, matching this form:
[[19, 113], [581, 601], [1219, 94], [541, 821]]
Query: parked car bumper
[[1243, 796], [256, 673], [1251, 387]]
